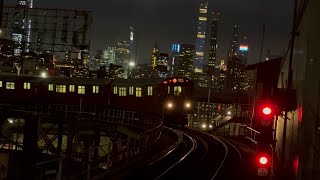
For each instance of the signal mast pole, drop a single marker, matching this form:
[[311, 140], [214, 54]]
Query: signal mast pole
[[1, 11]]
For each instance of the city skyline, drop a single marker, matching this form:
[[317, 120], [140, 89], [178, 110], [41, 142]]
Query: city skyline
[[181, 23]]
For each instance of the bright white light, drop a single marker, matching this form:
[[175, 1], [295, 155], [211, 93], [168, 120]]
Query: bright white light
[[43, 75], [210, 126], [263, 160], [131, 64], [204, 126], [188, 105], [10, 120], [229, 113], [170, 105]]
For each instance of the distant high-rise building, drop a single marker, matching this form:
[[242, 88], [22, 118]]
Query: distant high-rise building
[[213, 47], [133, 45], [243, 49], [222, 76], [22, 33], [182, 60], [235, 41], [140, 71], [236, 75], [122, 53], [155, 57], [201, 37], [175, 50], [162, 65], [109, 55]]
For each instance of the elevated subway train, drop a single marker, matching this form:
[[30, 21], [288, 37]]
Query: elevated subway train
[[142, 95], [122, 94], [177, 100]]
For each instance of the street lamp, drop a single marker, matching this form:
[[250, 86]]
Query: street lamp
[[132, 64], [229, 113], [43, 74]]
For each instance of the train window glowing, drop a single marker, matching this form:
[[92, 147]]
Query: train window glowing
[[149, 90], [10, 85], [138, 92], [95, 89], [61, 88], [71, 88], [50, 87], [168, 89], [115, 90], [81, 89], [0, 83], [177, 90], [131, 90], [26, 85], [122, 91]]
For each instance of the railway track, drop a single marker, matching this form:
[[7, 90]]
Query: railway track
[[199, 156]]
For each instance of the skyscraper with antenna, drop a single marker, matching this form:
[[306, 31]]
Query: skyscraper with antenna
[[201, 37]]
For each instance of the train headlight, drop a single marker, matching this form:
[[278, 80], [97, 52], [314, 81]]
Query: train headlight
[[188, 105], [170, 105]]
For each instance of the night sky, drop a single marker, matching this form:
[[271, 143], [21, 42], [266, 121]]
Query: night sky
[[169, 21]]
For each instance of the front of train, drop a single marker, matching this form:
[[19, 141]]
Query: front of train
[[177, 100]]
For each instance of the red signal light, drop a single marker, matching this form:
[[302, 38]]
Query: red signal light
[[266, 111], [165, 82], [263, 160]]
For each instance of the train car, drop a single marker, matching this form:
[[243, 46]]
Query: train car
[[177, 100]]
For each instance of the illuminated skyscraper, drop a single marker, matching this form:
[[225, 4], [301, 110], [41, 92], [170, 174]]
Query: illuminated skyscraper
[[235, 41], [182, 61], [243, 49], [213, 41], [213, 48], [162, 65], [122, 53], [201, 37], [24, 23], [155, 57], [133, 45]]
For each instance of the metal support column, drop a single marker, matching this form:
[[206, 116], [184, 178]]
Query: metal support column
[[30, 141]]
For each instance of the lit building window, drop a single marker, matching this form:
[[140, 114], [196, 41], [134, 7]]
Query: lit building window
[[122, 91], [149, 90], [201, 36], [0, 83], [26, 85], [71, 88], [203, 11], [50, 87], [81, 89], [115, 90], [131, 90], [202, 18], [138, 92], [168, 89], [10, 85], [61, 88], [95, 89]]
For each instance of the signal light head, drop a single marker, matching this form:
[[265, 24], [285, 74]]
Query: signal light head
[[266, 111], [263, 160]]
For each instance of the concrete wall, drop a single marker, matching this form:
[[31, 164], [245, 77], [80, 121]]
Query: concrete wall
[[302, 136]]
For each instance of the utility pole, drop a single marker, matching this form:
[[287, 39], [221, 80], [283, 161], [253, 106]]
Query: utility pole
[[1, 12], [289, 85], [262, 43]]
